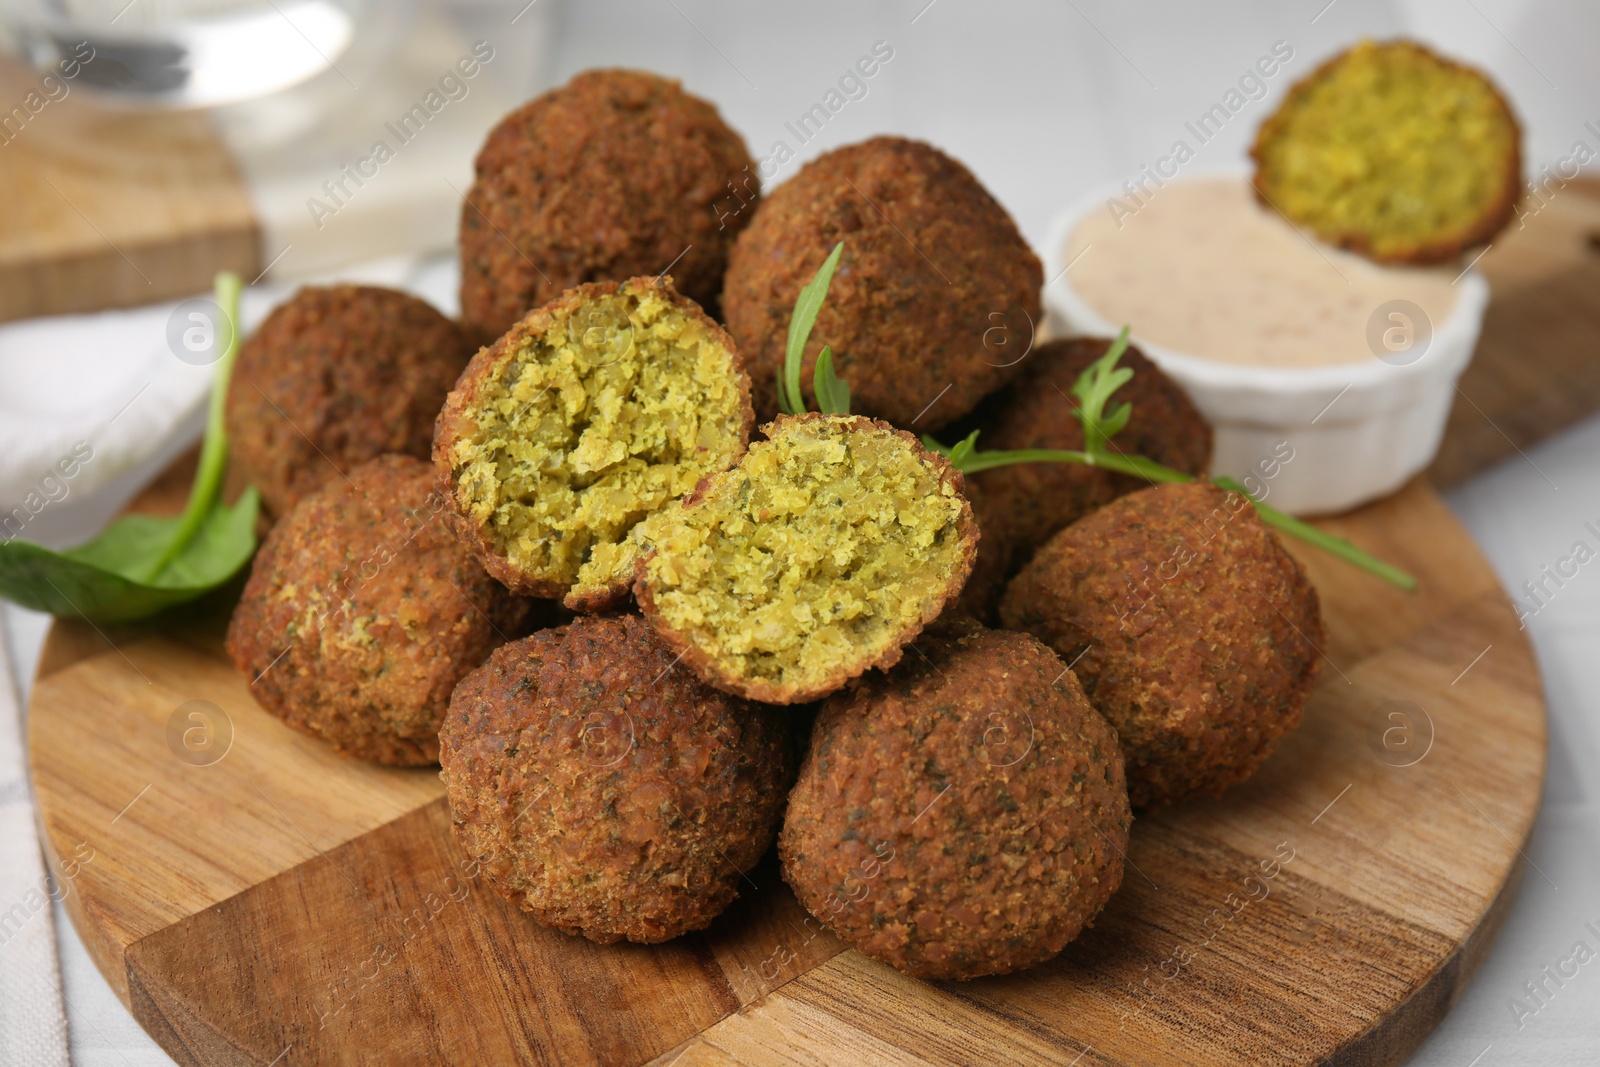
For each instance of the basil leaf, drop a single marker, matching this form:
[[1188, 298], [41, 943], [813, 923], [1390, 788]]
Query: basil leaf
[[94, 581], [142, 564]]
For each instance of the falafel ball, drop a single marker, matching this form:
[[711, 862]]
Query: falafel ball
[[362, 613], [991, 565], [964, 814], [1034, 500], [593, 412], [1190, 627], [615, 174], [934, 289], [819, 556], [1393, 151], [334, 377], [604, 790]]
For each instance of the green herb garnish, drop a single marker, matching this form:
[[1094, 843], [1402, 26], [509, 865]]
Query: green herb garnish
[[141, 564], [1093, 390], [1094, 387], [1334, 546], [833, 395]]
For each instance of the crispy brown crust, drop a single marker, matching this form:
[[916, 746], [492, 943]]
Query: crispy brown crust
[[615, 174], [606, 792], [368, 662], [334, 377], [456, 419], [1023, 505], [1190, 627], [963, 815], [1497, 215], [935, 287], [718, 674]]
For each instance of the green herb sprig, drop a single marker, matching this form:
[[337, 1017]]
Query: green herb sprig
[[833, 395], [1093, 390], [1100, 417], [142, 564]]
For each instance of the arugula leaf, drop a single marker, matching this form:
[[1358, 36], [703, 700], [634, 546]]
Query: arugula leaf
[[806, 308], [958, 453], [833, 395], [1093, 389], [142, 564], [1335, 546], [783, 397]]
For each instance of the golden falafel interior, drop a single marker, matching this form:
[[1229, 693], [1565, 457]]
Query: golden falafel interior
[[1392, 142], [822, 549], [622, 405]]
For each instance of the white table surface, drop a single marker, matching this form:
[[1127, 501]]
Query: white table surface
[[1041, 100]]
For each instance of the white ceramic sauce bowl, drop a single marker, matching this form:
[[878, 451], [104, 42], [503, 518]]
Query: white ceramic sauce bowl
[[1358, 430]]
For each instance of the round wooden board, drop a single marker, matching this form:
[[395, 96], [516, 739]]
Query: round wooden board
[[280, 905]]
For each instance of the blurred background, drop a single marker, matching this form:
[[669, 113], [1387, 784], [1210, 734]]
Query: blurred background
[[145, 144], [1039, 99]]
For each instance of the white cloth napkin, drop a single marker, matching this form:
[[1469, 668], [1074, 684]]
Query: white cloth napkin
[[102, 386], [110, 387], [33, 1027]]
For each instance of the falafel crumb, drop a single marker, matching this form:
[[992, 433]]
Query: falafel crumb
[[620, 406], [827, 548]]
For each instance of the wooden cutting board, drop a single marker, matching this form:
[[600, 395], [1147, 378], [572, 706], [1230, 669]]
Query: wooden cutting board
[[263, 902], [113, 208]]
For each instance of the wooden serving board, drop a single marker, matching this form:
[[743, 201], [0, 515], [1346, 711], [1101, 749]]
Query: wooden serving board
[[282, 906]]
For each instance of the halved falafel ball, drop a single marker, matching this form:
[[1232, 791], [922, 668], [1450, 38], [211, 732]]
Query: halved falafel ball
[[604, 789], [593, 412], [362, 613], [1190, 627], [615, 174], [1034, 500], [1395, 152], [964, 814], [334, 377], [934, 289], [819, 556]]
